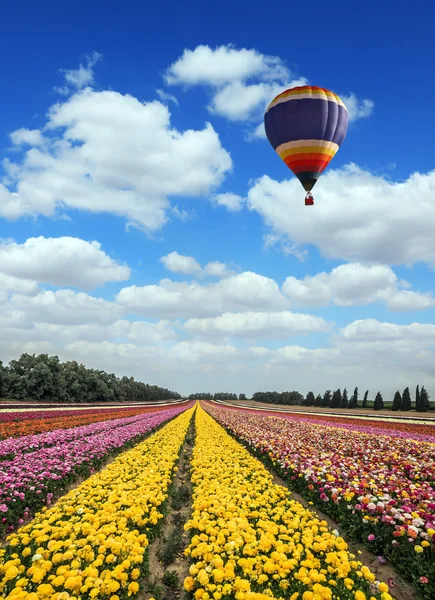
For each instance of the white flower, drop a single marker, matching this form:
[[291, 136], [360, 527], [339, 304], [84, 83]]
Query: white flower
[[36, 557]]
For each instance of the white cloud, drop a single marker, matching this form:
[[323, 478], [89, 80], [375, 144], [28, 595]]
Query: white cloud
[[31, 137], [356, 108], [273, 325], [222, 65], [165, 97], [233, 202], [243, 292], [188, 265], [357, 216], [66, 307], [355, 284], [177, 263], [218, 269], [60, 261], [81, 77], [110, 153], [372, 330], [243, 82]]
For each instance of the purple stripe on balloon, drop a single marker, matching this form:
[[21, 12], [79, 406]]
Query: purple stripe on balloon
[[307, 119]]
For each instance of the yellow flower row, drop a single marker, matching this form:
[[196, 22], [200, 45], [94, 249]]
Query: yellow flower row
[[252, 542], [92, 543]]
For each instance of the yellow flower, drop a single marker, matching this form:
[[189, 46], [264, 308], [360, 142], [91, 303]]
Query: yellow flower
[[418, 549]]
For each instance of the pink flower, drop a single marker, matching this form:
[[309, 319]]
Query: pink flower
[[371, 537]]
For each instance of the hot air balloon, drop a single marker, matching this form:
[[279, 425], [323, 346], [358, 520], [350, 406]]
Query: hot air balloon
[[306, 126]]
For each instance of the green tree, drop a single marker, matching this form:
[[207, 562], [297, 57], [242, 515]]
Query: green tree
[[397, 401], [336, 399], [417, 399], [326, 400], [242, 396], [344, 399], [424, 400], [354, 399], [379, 402], [406, 400], [310, 400], [318, 401], [364, 402]]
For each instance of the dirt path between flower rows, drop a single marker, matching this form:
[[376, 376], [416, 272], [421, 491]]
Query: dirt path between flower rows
[[168, 567], [399, 588]]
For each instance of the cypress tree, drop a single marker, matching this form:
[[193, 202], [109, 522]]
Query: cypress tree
[[406, 400], [336, 399], [417, 399], [344, 399], [354, 400], [379, 402], [326, 400], [318, 401], [424, 400], [397, 401], [364, 402]]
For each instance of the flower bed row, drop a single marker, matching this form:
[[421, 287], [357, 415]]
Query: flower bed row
[[415, 431], [92, 544], [32, 480], [252, 542], [44, 422], [378, 488], [58, 437]]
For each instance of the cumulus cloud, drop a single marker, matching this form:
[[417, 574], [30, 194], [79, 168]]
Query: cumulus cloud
[[243, 292], [60, 261], [355, 284], [105, 152], [242, 82], [232, 202], [359, 216], [188, 265], [66, 307], [81, 77], [273, 325], [30, 137]]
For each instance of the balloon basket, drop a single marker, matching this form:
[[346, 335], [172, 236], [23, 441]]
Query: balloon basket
[[309, 200]]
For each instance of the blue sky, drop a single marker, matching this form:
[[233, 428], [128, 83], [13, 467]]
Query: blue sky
[[131, 133]]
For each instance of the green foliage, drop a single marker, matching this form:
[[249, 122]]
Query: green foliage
[[326, 400], [353, 403], [397, 401], [344, 399], [310, 400], [44, 378], [287, 398], [364, 402], [171, 579], [379, 402], [424, 404], [406, 400], [336, 399], [417, 399]]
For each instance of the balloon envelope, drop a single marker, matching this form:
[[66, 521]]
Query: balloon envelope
[[306, 126]]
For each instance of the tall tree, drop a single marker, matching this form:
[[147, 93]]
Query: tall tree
[[318, 401], [354, 399], [336, 399], [379, 402], [397, 401], [364, 402], [242, 396], [406, 400], [424, 400], [326, 400], [417, 398], [344, 399], [310, 399]]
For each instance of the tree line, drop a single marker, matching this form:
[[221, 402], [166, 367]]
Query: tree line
[[332, 399], [45, 378]]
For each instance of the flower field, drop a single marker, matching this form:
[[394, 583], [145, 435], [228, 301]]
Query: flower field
[[33, 477], [18, 423], [92, 543], [247, 538], [379, 487]]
